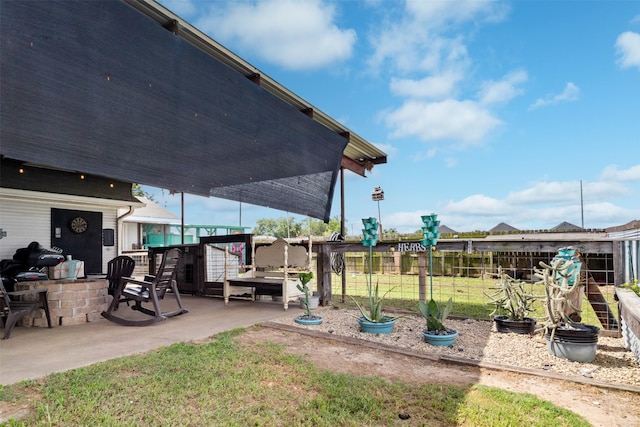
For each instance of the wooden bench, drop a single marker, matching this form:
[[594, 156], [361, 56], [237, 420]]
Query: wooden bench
[[274, 271]]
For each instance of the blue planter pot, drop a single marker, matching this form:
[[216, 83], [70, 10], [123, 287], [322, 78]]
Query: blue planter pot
[[444, 340], [308, 320], [384, 327]]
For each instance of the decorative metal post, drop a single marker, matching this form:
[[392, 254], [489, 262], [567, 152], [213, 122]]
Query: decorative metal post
[[431, 235], [370, 239]]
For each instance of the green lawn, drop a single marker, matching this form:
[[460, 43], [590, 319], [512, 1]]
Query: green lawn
[[222, 384], [469, 299]]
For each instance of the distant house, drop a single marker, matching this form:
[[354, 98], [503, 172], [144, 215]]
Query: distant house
[[443, 229], [149, 226], [566, 226], [503, 228]]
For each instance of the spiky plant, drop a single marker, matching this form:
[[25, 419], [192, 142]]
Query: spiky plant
[[435, 314], [557, 302], [511, 297]]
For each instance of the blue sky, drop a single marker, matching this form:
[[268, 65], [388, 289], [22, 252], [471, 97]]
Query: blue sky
[[489, 111]]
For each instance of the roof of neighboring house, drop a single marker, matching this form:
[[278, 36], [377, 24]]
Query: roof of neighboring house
[[152, 213], [566, 226], [503, 227], [444, 229]]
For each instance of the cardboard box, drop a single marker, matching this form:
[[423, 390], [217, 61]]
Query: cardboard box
[[61, 271]]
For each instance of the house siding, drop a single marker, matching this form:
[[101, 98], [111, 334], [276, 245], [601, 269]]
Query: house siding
[[25, 221]]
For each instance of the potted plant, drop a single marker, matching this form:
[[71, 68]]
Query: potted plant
[[307, 318], [566, 337], [372, 320], [436, 333], [512, 305]]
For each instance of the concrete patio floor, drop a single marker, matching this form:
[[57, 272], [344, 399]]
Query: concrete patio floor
[[35, 352]]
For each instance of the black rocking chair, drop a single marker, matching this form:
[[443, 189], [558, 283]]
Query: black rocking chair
[[118, 267], [151, 290]]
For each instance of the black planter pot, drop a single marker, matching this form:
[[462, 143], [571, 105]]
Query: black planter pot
[[577, 343], [504, 324]]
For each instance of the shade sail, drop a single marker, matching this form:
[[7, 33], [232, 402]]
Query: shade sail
[[99, 88]]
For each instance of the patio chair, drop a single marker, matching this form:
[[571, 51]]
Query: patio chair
[[118, 267], [151, 290], [13, 307]]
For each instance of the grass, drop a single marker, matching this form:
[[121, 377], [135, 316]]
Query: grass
[[468, 294], [224, 383]]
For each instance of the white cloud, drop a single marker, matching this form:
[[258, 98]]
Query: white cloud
[[493, 92], [459, 121], [429, 154], [439, 13], [295, 34], [547, 192], [628, 50], [435, 87], [547, 204], [571, 93], [478, 205], [611, 173]]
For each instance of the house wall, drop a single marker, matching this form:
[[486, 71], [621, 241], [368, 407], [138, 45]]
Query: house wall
[[129, 238], [26, 217]]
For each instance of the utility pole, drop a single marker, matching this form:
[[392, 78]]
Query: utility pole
[[581, 204]]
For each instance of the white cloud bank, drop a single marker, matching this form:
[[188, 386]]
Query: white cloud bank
[[544, 204], [294, 34]]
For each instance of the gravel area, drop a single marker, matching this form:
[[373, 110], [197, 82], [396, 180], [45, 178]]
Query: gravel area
[[478, 340]]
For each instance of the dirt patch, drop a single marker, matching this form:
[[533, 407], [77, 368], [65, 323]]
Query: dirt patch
[[599, 405]]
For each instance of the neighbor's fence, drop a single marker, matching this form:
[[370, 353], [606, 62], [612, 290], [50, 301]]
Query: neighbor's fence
[[467, 275]]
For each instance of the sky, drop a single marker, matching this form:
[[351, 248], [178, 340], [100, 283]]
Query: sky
[[522, 112]]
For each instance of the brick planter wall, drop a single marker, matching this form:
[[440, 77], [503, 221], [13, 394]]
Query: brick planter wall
[[71, 302]]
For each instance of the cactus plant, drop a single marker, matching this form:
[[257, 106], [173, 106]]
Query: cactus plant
[[512, 298], [307, 318], [557, 301], [566, 337], [303, 286]]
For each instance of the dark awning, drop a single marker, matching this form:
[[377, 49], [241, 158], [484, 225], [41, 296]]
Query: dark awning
[[100, 88]]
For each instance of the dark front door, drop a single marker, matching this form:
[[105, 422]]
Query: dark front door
[[79, 234]]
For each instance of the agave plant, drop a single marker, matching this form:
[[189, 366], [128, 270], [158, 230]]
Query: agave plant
[[374, 312], [435, 314]]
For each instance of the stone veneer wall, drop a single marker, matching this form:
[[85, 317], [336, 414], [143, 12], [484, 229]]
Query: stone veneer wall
[[71, 302]]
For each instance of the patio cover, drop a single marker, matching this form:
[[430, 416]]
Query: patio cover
[[100, 88]]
